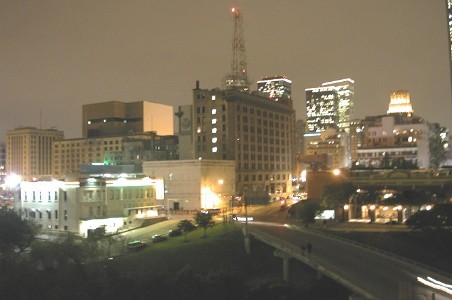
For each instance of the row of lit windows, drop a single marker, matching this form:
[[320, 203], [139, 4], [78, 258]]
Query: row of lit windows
[[389, 153], [260, 177], [256, 166]]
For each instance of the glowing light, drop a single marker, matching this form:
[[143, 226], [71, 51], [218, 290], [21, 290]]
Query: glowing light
[[336, 172], [434, 285], [209, 199]]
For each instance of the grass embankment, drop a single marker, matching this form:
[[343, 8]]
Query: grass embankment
[[222, 253]]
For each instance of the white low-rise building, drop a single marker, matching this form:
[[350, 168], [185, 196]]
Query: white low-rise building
[[85, 204], [195, 184]]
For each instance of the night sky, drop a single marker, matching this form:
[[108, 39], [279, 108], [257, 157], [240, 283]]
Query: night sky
[[57, 55]]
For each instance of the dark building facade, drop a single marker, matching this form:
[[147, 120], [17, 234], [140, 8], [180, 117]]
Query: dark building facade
[[256, 132]]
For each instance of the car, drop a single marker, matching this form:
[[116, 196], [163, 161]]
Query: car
[[136, 245], [175, 232], [159, 238]]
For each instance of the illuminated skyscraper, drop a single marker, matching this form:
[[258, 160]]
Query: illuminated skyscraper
[[400, 103], [345, 92], [275, 88], [449, 22], [322, 108]]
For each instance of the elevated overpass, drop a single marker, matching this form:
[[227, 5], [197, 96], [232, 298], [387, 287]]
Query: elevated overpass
[[369, 273]]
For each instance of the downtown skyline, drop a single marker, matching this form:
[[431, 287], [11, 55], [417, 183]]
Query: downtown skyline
[[58, 56]]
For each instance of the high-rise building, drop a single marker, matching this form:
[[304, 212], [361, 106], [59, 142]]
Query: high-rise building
[[345, 92], [2, 163], [276, 88], [449, 23], [116, 118], [29, 151], [255, 132], [322, 105], [400, 103]]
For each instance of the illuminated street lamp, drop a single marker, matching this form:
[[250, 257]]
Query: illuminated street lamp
[[346, 207]]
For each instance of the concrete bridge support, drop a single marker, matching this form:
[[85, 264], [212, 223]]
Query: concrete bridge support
[[286, 257]]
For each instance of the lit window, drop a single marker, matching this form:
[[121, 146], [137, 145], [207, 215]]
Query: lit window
[[214, 121], [213, 98], [214, 111], [214, 140], [214, 149], [214, 130]]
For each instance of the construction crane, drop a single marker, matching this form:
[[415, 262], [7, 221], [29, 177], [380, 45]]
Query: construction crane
[[237, 79]]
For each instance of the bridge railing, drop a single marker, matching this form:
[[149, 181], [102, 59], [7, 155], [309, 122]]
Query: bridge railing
[[374, 249]]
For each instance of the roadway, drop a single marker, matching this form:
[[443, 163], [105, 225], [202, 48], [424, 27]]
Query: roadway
[[372, 274]]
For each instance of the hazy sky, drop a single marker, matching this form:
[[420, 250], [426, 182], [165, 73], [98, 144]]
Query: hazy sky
[[57, 55]]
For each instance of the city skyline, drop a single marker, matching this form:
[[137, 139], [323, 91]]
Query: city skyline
[[66, 55]]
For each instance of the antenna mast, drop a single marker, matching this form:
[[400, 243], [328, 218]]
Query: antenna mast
[[238, 78]]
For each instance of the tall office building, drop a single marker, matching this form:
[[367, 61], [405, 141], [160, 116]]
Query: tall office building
[[449, 22], [116, 118], [29, 151], [257, 133], [345, 92], [276, 88], [322, 105], [400, 103], [2, 163]]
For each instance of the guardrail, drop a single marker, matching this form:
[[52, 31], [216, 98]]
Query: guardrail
[[286, 247], [374, 249]]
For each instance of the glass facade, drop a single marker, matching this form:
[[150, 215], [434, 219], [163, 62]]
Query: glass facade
[[322, 108], [275, 88], [345, 92]]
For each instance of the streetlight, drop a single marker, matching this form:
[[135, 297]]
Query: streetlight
[[346, 207]]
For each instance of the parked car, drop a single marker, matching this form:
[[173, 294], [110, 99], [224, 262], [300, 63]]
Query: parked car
[[159, 238], [175, 232], [136, 245]]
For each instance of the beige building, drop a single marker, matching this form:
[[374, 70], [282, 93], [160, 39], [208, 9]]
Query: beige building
[[254, 131], [29, 151], [116, 118], [331, 143], [394, 140], [68, 155], [195, 184]]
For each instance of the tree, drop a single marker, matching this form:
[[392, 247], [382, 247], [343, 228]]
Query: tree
[[186, 226], [204, 220], [305, 211], [439, 217], [15, 232], [337, 194], [436, 147]]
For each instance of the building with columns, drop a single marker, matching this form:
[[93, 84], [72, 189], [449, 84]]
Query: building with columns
[[29, 151]]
